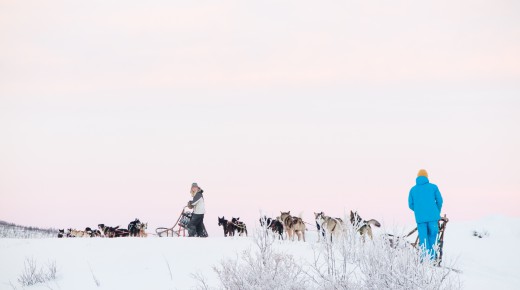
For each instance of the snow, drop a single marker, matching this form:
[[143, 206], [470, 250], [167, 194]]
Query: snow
[[145, 263], [489, 262]]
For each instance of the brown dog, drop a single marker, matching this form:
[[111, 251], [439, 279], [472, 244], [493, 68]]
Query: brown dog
[[293, 225]]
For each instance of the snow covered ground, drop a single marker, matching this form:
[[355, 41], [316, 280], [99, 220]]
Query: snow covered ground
[[491, 262], [168, 263]]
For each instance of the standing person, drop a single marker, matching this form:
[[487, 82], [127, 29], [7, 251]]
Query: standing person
[[426, 202], [196, 224]]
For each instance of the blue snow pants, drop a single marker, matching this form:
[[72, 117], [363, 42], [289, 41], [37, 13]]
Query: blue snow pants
[[428, 232]]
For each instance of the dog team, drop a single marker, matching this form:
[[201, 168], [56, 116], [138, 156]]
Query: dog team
[[136, 228], [326, 226]]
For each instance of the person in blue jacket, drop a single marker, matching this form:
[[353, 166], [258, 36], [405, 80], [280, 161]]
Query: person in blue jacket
[[426, 202]]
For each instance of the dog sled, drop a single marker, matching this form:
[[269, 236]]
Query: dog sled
[[180, 226], [442, 228]]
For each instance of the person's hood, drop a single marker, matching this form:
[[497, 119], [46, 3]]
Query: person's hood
[[421, 180], [198, 192]]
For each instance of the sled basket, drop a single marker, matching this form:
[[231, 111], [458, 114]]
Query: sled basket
[[185, 219]]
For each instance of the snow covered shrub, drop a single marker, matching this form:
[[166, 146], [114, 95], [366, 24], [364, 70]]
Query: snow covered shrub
[[262, 268], [402, 267], [349, 261], [333, 265], [31, 274], [332, 268], [352, 262]]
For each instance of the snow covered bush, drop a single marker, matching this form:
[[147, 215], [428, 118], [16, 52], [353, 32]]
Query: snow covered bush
[[402, 267], [353, 263], [349, 261], [332, 266], [31, 274], [261, 268]]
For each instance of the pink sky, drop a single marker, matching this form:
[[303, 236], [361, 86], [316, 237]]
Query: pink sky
[[109, 112]]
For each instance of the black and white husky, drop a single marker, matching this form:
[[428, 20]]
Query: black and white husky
[[109, 232], [362, 226], [275, 225], [134, 228], [240, 226]]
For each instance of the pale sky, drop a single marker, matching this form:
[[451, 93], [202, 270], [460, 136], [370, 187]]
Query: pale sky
[[109, 110]]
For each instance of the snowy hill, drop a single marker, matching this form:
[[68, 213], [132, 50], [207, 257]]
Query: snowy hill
[[169, 263], [11, 230]]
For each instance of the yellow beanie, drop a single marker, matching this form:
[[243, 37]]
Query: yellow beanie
[[422, 172]]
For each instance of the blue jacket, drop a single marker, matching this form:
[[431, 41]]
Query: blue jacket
[[425, 200]]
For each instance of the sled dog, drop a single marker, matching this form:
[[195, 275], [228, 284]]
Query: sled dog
[[134, 227], [240, 226], [108, 232], [363, 227], [78, 234], [142, 230], [229, 228], [293, 225], [275, 225], [328, 225]]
